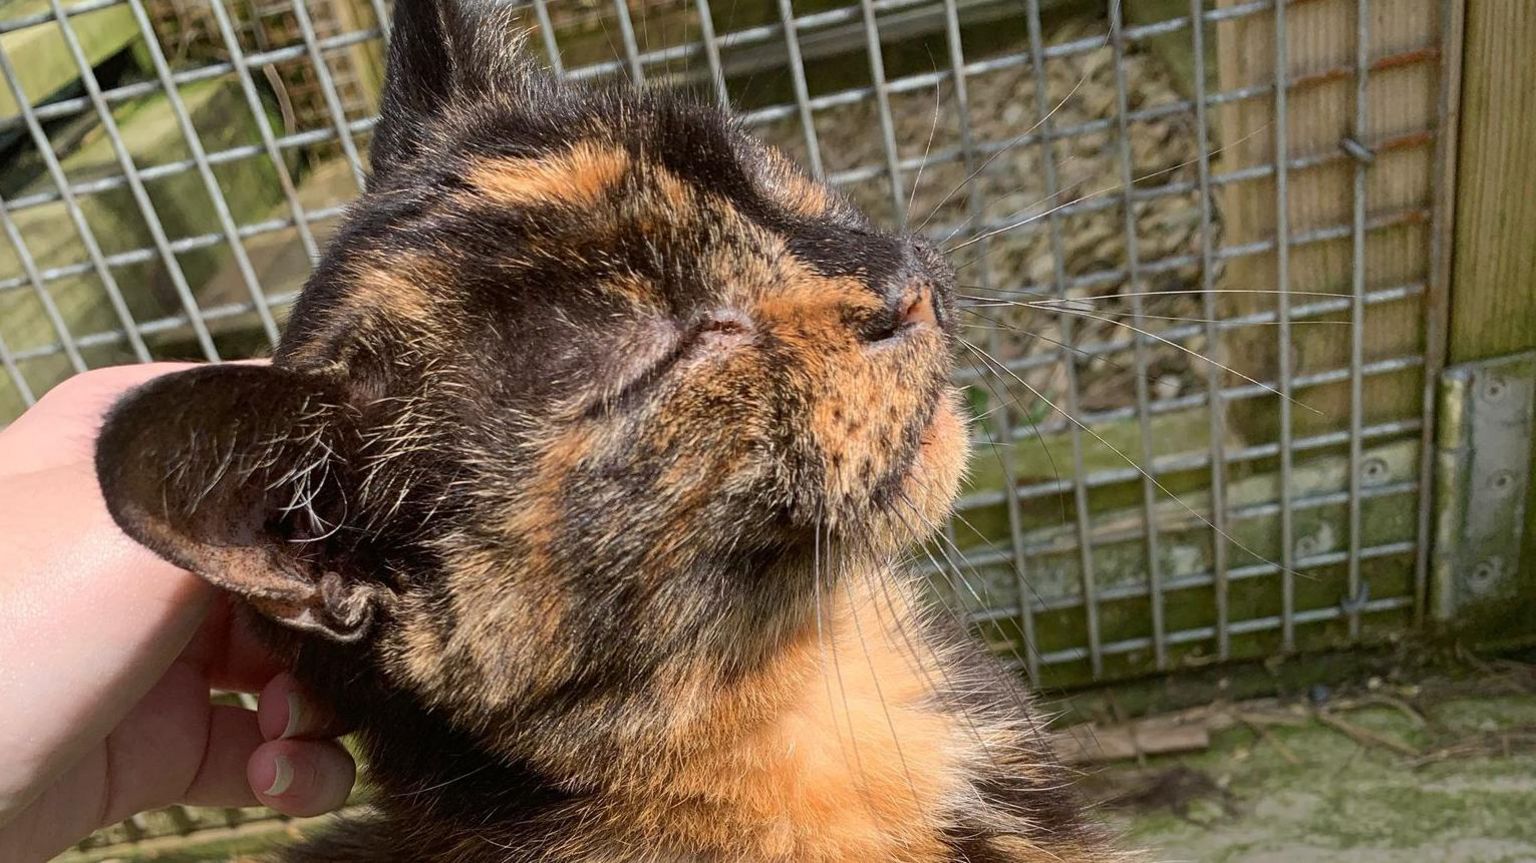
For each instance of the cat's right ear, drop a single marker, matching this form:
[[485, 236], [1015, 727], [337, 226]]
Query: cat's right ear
[[440, 52], [241, 474]]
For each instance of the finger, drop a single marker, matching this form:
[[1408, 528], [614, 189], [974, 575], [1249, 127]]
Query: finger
[[301, 777], [173, 745], [286, 711], [229, 652], [60, 429], [233, 737]]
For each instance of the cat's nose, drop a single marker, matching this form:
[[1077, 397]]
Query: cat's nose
[[917, 306]]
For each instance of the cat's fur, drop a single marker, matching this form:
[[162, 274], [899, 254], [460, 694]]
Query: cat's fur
[[577, 486]]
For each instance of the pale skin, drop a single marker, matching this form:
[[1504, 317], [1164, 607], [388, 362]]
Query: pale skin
[[111, 653]]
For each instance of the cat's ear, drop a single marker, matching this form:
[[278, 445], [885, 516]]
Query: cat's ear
[[440, 52], [239, 473]]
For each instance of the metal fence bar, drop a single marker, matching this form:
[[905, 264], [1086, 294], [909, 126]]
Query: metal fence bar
[[328, 90], [802, 92], [1197, 460], [1357, 594], [1217, 427], [1244, 627], [205, 172], [264, 128], [712, 53], [1198, 580], [547, 32], [1043, 111], [140, 196], [627, 34], [1149, 482], [883, 107], [1283, 301]]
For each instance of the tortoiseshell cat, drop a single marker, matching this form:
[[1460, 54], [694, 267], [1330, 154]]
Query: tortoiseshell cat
[[578, 485]]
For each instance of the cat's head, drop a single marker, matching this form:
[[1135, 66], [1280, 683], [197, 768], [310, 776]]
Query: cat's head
[[580, 390]]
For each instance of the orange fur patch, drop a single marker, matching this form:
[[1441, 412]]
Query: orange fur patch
[[581, 175]]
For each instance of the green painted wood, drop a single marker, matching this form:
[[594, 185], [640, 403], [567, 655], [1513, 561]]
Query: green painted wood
[[41, 59]]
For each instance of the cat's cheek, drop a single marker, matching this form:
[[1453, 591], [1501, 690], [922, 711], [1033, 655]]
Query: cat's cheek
[[939, 465]]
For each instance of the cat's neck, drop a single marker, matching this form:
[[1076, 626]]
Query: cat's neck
[[869, 736]]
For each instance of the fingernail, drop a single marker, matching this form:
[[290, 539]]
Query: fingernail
[[283, 776], [295, 716]]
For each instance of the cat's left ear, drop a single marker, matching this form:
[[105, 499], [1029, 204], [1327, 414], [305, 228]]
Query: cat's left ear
[[440, 52], [242, 474]]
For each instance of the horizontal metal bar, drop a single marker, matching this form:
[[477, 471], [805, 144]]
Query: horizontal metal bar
[[1236, 627], [1185, 461], [1191, 581], [13, 24]]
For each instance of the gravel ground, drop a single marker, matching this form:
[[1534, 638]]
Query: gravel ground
[[1012, 187]]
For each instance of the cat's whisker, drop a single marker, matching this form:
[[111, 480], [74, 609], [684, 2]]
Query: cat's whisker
[[1107, 190], [946, 545], [1119, 453], [1069, 306], [874, 676], [927, 148], [1014, 142], [1187, 350], [1093, 298]]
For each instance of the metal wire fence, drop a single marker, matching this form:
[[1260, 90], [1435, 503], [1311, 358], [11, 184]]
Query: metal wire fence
[[1200, 243], [1244, 181]]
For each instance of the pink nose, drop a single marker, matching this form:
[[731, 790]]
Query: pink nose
[[917, 307]]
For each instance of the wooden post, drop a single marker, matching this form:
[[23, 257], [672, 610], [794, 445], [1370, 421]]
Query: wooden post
[[1493, 276]]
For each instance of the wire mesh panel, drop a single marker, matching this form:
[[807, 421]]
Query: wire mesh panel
[[1196, 248]]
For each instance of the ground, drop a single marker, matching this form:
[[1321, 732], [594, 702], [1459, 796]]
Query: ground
[[1295, 785]]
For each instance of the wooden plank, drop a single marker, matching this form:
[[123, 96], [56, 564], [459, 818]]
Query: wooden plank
[[1402, 90], [1493, 278]]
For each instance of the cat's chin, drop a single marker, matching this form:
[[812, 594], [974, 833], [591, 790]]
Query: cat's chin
[[938, 464]]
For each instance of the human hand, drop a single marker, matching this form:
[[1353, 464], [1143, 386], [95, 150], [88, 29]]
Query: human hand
[[110, 653]]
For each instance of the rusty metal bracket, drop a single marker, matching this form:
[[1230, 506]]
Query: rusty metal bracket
[[1483, 453]]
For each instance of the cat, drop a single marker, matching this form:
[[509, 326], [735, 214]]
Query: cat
[[579, 486]]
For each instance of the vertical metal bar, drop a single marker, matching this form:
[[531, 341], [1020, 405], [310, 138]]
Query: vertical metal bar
[[1058, 271], [802, 92], [50, 308], [328, 91], [1357, 315], [381, 16], [264, 127], [205, 172], [883, 103], [1004, 453], [551, 44], [712, 53], [1139, 342], [1283, 300], [1213, 379], [55, 170], [28, 398], [631, 48], [135, 183], [1437, 299]]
